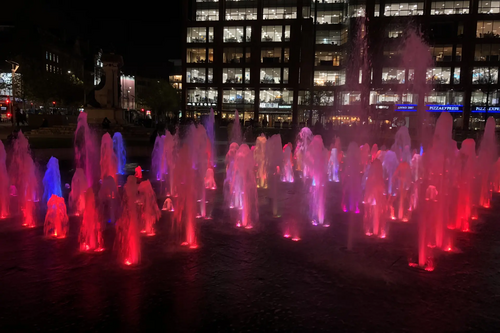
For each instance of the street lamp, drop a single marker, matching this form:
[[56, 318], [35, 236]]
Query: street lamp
[[15, 67]]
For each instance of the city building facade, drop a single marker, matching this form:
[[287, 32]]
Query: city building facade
[[303, 61]]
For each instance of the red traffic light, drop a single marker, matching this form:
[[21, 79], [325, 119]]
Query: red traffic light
[[54, 103], [142, 110]]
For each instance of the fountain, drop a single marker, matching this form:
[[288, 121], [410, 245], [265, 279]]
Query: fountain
[[211, 137], [229, 194], [315, 164], [138, 172], [109, 161], [465, 190], [157, 163], [236, 130], [487, 156], [351, 182], [402, 182], [259, 156], [375, 201], [150, 214], [333, 166], [56, 219], [76, 199], [274, 165], [120, 152], [244, 187], [390, 164], [168, 205], [169, 160], [185, 214], [52, 180], [109, 205], [86, 149], [4, 184], [128, 241], [91, 228], [304, 138], [200, 157], [287, 172]]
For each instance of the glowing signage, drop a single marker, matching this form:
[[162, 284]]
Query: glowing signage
[[445, 108], [491, 109], [406, 107]]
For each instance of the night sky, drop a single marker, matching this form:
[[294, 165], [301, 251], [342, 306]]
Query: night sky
[[142, 31]]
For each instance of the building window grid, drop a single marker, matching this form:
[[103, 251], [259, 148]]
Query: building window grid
[[450, 7]]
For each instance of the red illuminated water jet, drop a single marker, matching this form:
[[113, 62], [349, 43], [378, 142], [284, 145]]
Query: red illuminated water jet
[[56, 219]]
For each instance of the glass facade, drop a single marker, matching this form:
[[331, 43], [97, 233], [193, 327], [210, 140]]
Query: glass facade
[[317, 66]]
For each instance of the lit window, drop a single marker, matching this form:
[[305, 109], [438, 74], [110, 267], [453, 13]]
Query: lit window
[[234, 34], [233, 96], [269, 98], [270, 75], [442, 53], [272, 33], [233, 55], [241, 14], [404, 9], [489, 7], [323, 58], [449, 7], [456, 75], [330, 17], [328, 37], [207, 15], [270, 55], [393, 76], [488, 29], [329, 78], [195, 75], [487, 52], [232, 75], [279, 13], [196, 56], [438, 75], [485, 75]]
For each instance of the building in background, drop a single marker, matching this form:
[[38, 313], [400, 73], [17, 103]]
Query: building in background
[[127, 92], [302, 61]]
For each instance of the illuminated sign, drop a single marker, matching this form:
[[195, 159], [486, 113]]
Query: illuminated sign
[[269, 105], [445, 108], [201, 104], [406, 107], [491, 109]]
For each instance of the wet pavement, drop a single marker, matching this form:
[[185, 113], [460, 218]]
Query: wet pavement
[[252, 280]]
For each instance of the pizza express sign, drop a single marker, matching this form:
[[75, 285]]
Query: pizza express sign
[[445, 108]]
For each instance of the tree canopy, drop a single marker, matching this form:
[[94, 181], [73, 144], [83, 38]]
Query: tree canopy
[[160, 96]]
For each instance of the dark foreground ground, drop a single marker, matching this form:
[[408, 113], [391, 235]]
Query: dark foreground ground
[[252, 280]]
